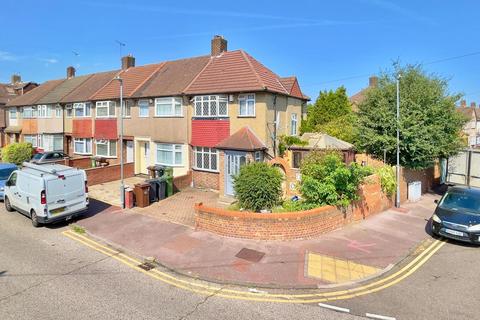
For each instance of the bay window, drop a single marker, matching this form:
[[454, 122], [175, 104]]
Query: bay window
[[211, 106], [82, 109], [82, 145], [246, 104], [143, 108], [105, 109], [168, 107], [205, 158], [169, 154], [106, 148]]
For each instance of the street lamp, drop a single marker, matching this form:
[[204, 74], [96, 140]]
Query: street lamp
[[122, 184], [397, 198]]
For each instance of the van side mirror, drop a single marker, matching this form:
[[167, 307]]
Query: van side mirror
[[8, 183], [435, 201]]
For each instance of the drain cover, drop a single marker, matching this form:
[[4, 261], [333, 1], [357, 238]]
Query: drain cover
[[250, 255], [147, 266]]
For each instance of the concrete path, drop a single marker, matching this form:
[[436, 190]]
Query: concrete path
[[350, 254]]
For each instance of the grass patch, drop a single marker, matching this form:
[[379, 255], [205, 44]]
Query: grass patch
[[78, 229]]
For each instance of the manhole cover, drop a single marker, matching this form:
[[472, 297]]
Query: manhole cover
[[250, 255], [147, 266]]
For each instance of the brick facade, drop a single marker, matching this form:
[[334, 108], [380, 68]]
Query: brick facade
[[182, 182], [291, 225], [207, 180], [108, 173]]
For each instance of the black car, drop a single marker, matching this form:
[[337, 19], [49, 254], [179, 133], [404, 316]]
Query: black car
[[457, 215]]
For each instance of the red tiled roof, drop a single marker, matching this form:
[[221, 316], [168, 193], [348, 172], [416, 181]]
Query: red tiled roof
[[32, 96], [133, 78], [85, 90], [235, 71], [292, 86], [244, 139]]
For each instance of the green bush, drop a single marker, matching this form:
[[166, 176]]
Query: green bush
[[17, 152], [387, 179], [258, 186], [288, 141], [327, 180]]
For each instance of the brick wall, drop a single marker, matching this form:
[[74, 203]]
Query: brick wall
[[207, 180], [291, 225], [426, 177], [182, 182], [108, 173], [80, 162]]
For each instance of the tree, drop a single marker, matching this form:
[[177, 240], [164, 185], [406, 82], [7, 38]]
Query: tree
[[429, 124], [17, 153], [331, 114]]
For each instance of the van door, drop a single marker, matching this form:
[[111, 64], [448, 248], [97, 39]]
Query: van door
[[19, 193], [65, 194]]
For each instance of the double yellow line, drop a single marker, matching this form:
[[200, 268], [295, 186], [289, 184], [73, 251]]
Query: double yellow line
[[217, 290]]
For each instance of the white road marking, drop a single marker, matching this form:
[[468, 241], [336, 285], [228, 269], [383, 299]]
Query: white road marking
[[378, 316], [335, 308]]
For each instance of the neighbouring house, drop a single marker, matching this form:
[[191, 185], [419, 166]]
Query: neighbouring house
[[472, 128], [358, 97], [206, 115], [9, 91]]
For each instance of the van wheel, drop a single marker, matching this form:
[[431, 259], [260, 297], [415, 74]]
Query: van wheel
[[8, 206], [33, 216]]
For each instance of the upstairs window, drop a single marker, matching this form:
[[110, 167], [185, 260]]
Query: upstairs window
[[293, 124], [82, 109], [69, 110], [12, 113], [45, 111], [168, 107], [246, 103], [58, 112], [29, 113], [127, 109], [143, 108], [211, 106], [105, 109]]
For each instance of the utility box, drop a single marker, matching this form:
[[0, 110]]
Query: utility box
[[414, 191], [129, 198], [142, 194]]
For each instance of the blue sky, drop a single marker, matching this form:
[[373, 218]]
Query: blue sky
[[318, 41]]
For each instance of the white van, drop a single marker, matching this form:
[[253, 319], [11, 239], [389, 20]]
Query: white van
[[47, 193]]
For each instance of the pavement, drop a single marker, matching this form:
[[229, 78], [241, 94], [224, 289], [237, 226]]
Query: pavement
[[352, 254]]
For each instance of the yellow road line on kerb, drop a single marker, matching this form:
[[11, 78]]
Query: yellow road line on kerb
[[201, 288]]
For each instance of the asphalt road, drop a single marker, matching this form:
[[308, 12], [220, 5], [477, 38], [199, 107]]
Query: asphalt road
[[45, 275]]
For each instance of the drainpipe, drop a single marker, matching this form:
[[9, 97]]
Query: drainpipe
[[275, 125]]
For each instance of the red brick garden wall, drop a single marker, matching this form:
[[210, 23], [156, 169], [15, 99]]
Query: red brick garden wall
[[182, 182], [109, 173], [291, 225]]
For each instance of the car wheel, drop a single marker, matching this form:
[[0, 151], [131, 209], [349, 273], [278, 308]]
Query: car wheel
[[33, 216], [8, 206]]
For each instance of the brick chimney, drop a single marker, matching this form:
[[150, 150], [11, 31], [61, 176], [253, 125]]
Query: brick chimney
[[473, 105], [373, 81], [70, 72], [16, 78], [128, 62], [219, 45], [463, 103]]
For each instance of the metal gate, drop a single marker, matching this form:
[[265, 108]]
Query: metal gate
[[464, 168]]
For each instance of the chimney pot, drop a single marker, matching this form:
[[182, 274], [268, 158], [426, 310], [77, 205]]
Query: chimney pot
[[219, 45], [128, 62], [70, 72], [373, 81], [463, 103], [16, 78]]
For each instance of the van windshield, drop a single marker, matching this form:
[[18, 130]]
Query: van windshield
[[5, 173], [461, 201]]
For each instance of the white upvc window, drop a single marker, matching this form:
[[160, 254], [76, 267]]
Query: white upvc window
[[105, 109], [82, 145], [168, 107], [82, 109], [127, 109], [45, 111], [106, 148], [69, 110], [246, 103], [205, 159], [169, 154], [258, 156], [12, 113], [32, 139], [211, 106], [143, 109], [51, 142], [29, 112], [293, 124], [58, 112]]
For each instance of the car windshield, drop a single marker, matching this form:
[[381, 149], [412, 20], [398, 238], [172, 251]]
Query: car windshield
[[38, 156], [5, 173], [461, 201]]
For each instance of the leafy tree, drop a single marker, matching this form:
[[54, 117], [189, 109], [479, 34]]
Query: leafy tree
[[258, 186], [332, 114], [17, 152], [429, 124]]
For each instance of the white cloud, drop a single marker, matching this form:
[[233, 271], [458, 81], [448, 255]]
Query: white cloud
[[49, 60], [7, 56]]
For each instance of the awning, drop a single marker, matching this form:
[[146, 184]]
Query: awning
[[244, 139], [13, 129]]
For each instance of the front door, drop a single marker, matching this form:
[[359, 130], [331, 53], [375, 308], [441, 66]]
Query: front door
[[144, 156], [233, 161]]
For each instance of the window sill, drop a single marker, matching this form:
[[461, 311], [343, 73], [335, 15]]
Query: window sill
[[239, 116], [155, 116], [82, 154], [106, 118], [170, 165], [106, 157], [205, 170]]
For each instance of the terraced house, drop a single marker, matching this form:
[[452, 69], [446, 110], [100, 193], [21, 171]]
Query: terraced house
[[206, 115]]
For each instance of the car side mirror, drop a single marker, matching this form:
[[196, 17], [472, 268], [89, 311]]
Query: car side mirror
[[435, 201]]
